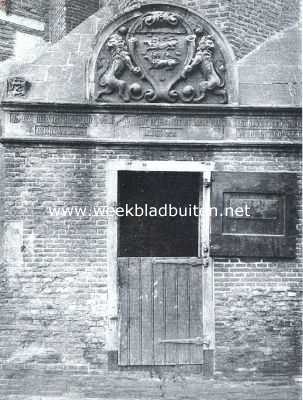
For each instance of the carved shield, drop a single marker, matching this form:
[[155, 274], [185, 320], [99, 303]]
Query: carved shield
[[161, 45], [17, 87]]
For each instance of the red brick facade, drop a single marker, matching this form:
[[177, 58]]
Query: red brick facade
[[257, 301]]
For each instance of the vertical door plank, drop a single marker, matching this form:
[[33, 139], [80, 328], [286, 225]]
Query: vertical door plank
[[159, 300], [183, 313], [135, 311], [147, 311], [159, 313], [196, 322], [171, 286], [124, 310]]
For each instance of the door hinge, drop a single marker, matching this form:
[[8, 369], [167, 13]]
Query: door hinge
[[198, 341], [205, 256], [207, 182]]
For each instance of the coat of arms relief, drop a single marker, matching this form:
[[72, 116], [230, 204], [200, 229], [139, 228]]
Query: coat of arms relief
[[161, 57]]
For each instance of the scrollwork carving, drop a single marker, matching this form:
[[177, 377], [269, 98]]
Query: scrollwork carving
[[161, 17]]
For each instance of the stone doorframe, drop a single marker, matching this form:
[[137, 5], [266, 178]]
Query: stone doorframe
[[112, 169]]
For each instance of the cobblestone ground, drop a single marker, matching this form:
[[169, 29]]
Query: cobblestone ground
[[17, 384]]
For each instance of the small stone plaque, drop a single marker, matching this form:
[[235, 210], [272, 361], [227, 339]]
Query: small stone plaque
[[268, 129], [61, 119], [268, 135], [150, 127], [44, 124]]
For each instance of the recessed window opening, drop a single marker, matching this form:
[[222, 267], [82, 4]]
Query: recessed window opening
[[158, 236]]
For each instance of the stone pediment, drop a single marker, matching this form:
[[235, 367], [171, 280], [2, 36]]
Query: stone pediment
[[161, 54], [174, 58], [157, 53]]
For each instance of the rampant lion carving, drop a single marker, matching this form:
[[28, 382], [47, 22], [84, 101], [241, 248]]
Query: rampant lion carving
[[203, 58], [121, 59]]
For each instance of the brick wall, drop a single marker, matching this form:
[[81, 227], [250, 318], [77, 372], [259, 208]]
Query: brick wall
[[60, 74], [7, 38], [57, 20], [65, 15], [53, 281], [54, 288], [35, 9], [77, 11], [246, 24], [1, 199], [258, 325]]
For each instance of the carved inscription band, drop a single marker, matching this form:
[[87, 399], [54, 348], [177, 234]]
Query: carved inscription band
[[143, 127]]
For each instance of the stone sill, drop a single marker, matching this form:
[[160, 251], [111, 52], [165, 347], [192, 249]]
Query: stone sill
[[201, 109], [283, 146]]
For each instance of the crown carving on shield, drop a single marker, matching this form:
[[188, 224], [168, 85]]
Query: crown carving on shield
[[161, 57]]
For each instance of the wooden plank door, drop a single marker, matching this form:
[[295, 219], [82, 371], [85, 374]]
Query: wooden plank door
[[160, 311]]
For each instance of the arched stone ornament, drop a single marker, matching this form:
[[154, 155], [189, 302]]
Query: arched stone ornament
[[161, 53]]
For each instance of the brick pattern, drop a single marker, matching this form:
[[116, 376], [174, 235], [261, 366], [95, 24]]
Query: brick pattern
[[7, 40], [54, 302], [59, 75], [261, 331], [56, 20], [246, 24], [65, 15], [78, 11], [251, 23], [35, 9], [3, 291]]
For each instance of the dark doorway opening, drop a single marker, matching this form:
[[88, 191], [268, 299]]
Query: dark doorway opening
[[158, 236]]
